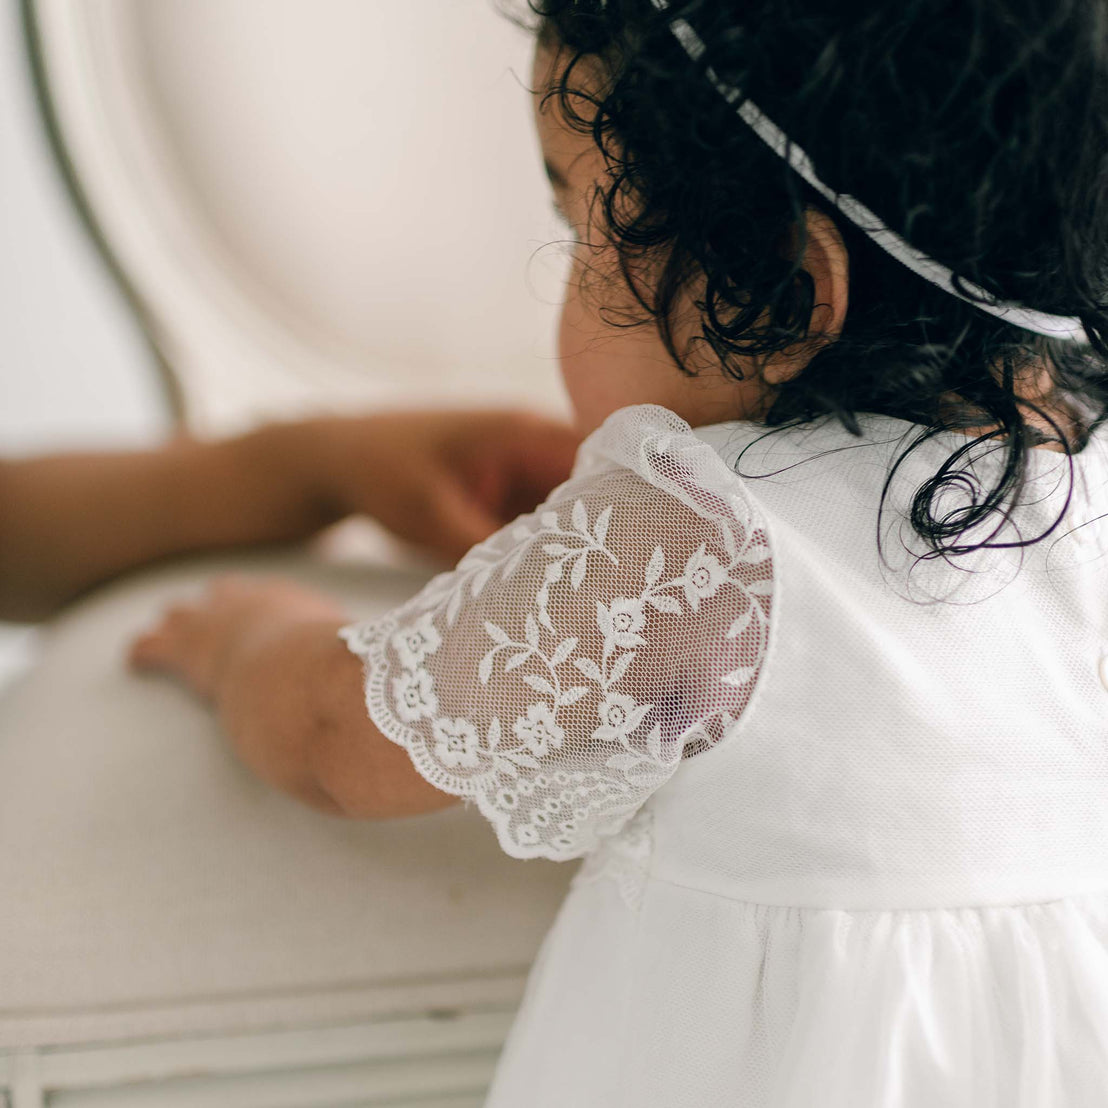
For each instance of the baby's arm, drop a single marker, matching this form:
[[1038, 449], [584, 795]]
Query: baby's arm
[[289, 695], [445, 480], [556, 677], [68, 521]]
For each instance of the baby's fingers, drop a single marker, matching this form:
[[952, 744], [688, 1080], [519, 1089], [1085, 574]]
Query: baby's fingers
[[151, 650], [175, 645]]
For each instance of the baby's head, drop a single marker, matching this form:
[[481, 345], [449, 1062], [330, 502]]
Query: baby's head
[[710, 277]]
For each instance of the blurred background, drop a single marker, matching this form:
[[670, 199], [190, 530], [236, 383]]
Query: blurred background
[[272, 207], [218, 212]]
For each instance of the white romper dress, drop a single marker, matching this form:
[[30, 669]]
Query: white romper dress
[[844, 820]]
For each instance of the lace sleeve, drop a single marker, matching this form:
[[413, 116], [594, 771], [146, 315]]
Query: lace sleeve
[[560, 673]]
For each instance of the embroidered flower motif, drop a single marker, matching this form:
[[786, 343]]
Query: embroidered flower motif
[[539, 731], [456, 743], [622, 622], [522, 747], [416, 642], [619, 716], [702, 578], [415, 695]]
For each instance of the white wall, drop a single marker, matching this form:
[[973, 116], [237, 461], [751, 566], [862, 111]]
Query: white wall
[[72, 366]]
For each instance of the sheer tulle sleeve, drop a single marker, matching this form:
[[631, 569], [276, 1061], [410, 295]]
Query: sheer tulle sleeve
[[558, 675]]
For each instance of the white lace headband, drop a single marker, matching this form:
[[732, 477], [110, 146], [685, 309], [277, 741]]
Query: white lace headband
[[1054, 326]]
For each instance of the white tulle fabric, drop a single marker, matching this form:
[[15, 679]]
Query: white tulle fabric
[[694, 1000], [882, 880], [559, 674]]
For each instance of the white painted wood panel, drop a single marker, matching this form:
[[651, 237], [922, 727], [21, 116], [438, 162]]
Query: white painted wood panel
[[445, 1062]]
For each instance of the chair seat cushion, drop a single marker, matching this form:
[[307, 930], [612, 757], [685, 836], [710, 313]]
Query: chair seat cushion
[[153, 885]]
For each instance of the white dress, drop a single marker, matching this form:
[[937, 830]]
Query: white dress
[[844, 820]]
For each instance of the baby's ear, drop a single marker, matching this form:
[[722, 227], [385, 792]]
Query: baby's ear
[[826, 259]]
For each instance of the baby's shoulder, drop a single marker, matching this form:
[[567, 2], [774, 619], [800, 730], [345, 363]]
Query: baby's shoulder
[[650, 468]]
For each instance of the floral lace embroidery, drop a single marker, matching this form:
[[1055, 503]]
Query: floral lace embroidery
[[551, 790]]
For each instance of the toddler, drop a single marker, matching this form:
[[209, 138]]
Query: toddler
[[843, 812]]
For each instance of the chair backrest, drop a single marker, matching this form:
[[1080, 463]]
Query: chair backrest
[[318, 203]]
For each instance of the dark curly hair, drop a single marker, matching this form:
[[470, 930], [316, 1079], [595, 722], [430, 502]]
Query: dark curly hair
[[976, 129]]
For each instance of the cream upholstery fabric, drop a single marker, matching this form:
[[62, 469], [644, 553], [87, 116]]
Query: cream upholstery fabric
[[153, 886], [320, 202]]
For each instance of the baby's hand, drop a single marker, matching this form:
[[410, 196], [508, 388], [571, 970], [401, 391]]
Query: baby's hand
[[446, 480], [200, 642]]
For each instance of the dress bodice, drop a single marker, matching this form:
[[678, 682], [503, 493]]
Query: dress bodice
[[923, 733]]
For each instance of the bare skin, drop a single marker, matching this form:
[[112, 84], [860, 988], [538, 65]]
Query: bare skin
[[606, 367], [68, 522], [248, 638]]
